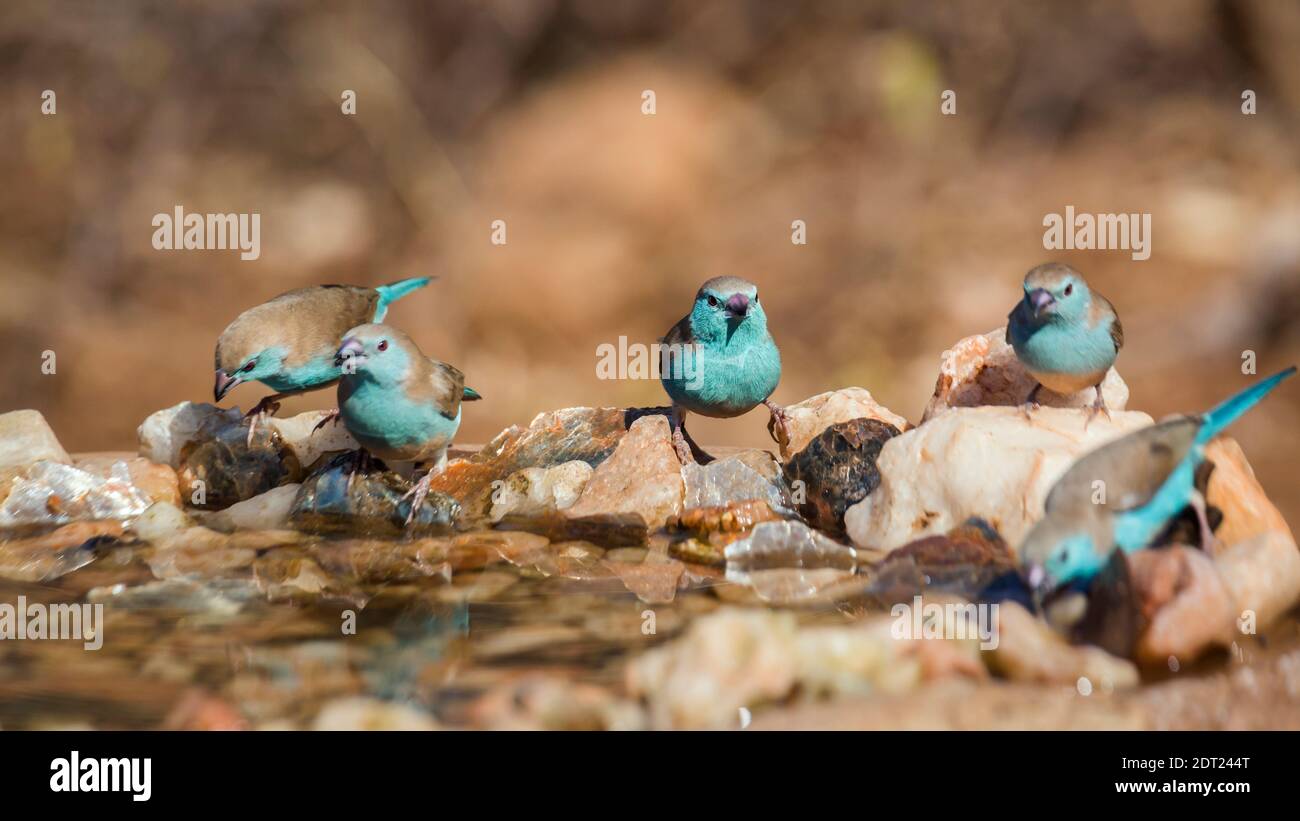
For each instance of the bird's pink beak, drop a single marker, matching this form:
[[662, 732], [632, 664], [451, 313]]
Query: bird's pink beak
[[1041, 300], [738, 305], [224, 384], [350, 354]]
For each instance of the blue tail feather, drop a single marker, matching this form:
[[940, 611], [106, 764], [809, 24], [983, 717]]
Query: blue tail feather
[[393, 291], [1230, 410]]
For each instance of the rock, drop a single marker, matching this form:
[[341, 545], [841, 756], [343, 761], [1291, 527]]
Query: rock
[[797, 587], [738, 658], [988, 462], [652, 582], [963, 562], [46, 557], [606, 529], [641, 476], [1185, 602], [26, 438], [362, 713], [54, 493], [837, 470], [535, 491], [787, 544], [267, 511], [752, 475], [218, 467], [710, 529], [809, 418], [1263, 576], [309, 445], [161, 519], [371, 504], [164, 433], [200, 559], [541, 701], [983, 370], [552, 438], [1029, 650], [156, 482], [1233, 489]]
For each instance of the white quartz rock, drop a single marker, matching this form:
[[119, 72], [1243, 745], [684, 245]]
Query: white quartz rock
[[990, 462], [815, 414], [535, 491], [165, 432]]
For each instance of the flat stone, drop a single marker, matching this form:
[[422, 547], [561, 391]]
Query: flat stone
[[371, 504], [266, 511]]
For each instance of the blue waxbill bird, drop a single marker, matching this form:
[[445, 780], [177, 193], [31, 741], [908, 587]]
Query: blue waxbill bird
[[720, 361], [288, 343], [1065, 334], [1149, 479], [398, 403]]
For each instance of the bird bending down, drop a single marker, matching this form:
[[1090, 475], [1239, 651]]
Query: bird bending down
[[720, 361], [289, 343], [1148, 478], [1064, 334], [398, 403]]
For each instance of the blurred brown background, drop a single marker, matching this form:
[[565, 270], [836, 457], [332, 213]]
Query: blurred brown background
[[920, 226]]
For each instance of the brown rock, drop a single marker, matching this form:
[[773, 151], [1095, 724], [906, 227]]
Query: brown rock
[[642, 476], [652, 582], [1185, 603], [1263, 575], [1247, 511], [809, 418], [157, 482]]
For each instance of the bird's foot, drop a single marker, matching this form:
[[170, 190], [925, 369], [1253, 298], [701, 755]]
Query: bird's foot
[[259, 413], [684, 454], [1031, 404], [330, 416], [360, 464], [778, 427], [1098, 406], [1209, 542], [417, 494]]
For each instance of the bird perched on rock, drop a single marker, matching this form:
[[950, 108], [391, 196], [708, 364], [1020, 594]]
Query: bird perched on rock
[[288, 343], [1065, 334], [720, 361], [1148, 478], [398, 403]]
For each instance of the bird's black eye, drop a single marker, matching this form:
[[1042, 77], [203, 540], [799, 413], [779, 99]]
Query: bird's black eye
[[713, 301], [383, 345], [1069, 289], [248, 366]]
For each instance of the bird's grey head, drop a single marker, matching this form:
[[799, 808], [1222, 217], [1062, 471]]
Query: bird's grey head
[[1055, 290], [723, 304]]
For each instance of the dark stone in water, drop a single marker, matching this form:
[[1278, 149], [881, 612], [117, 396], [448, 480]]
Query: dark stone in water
[[606, 529], [838, 469], [586, 434], [231, 470], [372, 506], [1113, 619], [965, 562]]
